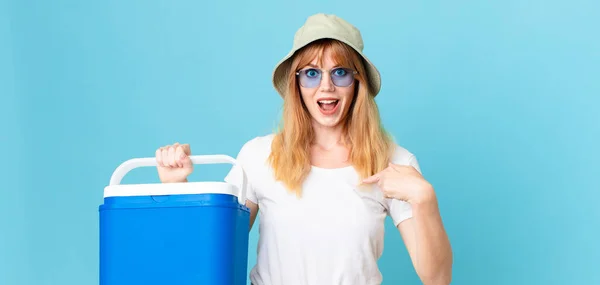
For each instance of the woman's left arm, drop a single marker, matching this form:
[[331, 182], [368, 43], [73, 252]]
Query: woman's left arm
[[423, 234], [427, 243]]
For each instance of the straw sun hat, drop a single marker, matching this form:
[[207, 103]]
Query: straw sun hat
[[320, 26]]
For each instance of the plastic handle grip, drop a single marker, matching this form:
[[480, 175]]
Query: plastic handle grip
[[131, 164]]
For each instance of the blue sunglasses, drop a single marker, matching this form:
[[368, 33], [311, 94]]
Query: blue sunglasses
[[311, 77]]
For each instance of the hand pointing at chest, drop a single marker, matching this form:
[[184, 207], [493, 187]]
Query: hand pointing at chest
[[402, 182]]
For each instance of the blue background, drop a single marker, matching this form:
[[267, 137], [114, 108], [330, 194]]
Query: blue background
[[499, 100]]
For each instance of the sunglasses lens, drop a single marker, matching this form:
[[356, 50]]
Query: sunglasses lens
[[342, 77], [310, 78]]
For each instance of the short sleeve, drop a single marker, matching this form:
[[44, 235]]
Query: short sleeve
[[245, 159], [400, 210]]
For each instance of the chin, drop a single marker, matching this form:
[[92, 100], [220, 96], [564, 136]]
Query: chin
[[327, 122]]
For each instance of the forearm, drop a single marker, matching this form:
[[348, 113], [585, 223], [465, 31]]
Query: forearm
[[433, 250]]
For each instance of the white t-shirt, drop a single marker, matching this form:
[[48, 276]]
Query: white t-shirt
[[332, 235]]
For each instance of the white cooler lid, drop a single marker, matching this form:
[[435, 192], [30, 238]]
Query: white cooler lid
[[115, 189], [126, 190]]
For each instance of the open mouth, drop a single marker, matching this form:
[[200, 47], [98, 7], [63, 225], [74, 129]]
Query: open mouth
[[328, 106]]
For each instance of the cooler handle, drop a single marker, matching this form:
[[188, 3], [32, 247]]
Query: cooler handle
[[131, 164]]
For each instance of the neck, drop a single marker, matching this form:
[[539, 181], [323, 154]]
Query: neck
[[328, 137]]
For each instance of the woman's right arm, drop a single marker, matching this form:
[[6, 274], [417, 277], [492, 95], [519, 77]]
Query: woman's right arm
[[174, 166], [253, 211]]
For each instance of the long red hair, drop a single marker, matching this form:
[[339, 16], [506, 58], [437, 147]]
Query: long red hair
[[370, 145]]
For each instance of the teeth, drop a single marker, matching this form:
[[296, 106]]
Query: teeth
[[327, 101]]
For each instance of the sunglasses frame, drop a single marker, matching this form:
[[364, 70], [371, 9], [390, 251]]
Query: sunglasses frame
[[330, 71]]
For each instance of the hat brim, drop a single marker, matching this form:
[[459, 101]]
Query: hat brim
[[282, 69]]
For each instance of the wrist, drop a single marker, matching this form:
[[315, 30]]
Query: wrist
[[176, 181], [425, 196], [425, 207]]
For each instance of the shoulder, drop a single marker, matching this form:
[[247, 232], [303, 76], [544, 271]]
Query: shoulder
[[256, 149], [258, 143], [403, 156]]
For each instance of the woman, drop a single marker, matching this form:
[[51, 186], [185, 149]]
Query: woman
[[326, 181]]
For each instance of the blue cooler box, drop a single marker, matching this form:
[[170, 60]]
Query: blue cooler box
[[173, 233]]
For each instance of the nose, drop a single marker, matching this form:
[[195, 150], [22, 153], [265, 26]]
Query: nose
[[326, 83]]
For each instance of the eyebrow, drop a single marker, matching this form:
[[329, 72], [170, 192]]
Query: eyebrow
[[316, 66]]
